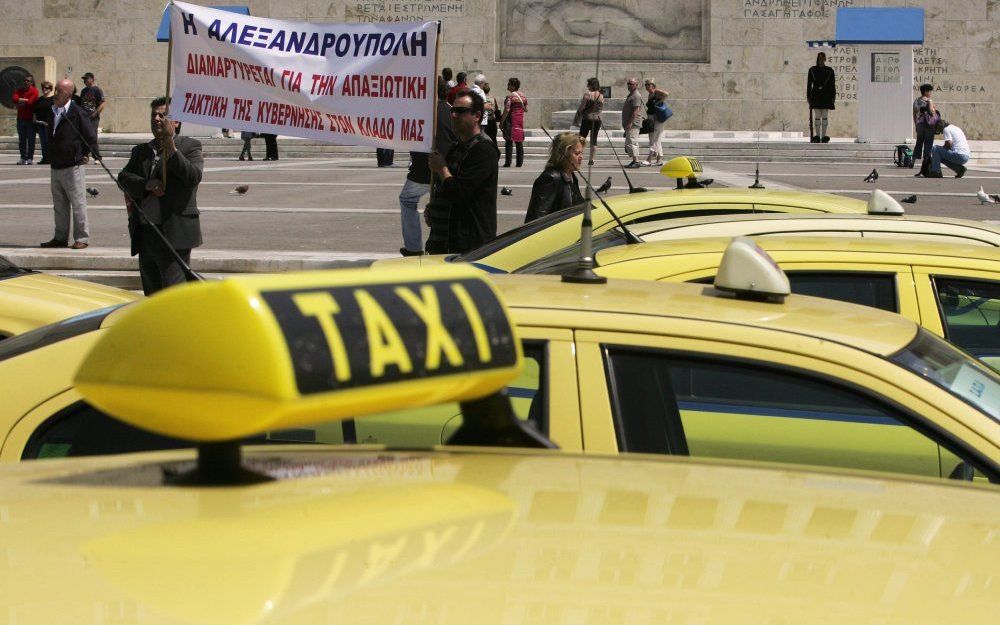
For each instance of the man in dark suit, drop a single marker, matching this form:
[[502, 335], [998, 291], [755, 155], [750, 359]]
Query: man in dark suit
[[70, 132], [171, 208]]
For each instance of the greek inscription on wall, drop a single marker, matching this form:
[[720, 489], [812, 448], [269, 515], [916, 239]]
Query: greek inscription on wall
[[631, 30], [392, 11], [793, 9]]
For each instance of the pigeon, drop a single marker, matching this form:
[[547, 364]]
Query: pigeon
[[910, 200], [984, 198], [604, 188], [872, 177], [240, 190], [92, 192], [506, 191], [996, 197]]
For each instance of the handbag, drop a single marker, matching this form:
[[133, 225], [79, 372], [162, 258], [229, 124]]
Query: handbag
[[662, 111], [928, 119], [646, 127]]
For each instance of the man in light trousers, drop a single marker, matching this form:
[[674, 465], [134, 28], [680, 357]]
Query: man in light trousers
[[633, 112], [71, 137]]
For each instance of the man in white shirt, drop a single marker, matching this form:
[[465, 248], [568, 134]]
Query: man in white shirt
[[477, 88], [954, 153]]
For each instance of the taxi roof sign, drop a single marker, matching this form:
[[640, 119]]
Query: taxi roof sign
[[223, 360], [681, 167], [881, 203], [748, 271]]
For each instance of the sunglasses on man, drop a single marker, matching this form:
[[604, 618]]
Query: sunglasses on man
[[461, 110]]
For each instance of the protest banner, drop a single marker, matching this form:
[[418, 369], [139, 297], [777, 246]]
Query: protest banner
[[351, 84]]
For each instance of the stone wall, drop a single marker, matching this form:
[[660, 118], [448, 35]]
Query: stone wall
[[729, 64]]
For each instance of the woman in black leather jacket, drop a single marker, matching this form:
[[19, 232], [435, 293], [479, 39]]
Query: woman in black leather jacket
[[556, 187]]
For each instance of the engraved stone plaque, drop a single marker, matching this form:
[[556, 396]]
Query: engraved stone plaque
[[632, 30]]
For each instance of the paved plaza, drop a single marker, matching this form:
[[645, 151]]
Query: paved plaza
[[345, 205]]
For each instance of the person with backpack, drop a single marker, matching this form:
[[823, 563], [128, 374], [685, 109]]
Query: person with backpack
[[657, 111], [925, 117]]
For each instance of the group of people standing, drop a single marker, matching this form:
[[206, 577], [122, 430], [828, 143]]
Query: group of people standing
[[34, 113], [639, 116]]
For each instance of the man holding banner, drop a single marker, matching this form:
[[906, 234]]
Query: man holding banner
[[462, 213]]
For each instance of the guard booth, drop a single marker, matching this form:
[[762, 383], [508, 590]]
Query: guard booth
[[885, 38]]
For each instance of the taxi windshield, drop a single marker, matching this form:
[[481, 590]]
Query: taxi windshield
[[55, 332], [953, 371], [9, 269], [561, 261], [521, 232]]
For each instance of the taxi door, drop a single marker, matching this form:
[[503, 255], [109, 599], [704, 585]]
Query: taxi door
[[714, 399]]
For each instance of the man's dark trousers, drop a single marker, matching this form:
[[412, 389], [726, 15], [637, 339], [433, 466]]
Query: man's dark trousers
[[158, 268]]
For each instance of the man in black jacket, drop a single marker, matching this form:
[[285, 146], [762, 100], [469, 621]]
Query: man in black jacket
[[171, 208], [70, 132], [463, 212]]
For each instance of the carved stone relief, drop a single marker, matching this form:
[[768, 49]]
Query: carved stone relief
[[632, 30]]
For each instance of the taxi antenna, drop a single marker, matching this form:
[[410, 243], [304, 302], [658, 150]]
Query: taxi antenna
[[756, 170]]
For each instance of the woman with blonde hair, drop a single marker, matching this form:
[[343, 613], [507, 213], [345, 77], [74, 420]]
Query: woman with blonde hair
[[556, 187], [657, 99]]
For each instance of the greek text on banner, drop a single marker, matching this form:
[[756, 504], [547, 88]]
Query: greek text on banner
[[352, 84]]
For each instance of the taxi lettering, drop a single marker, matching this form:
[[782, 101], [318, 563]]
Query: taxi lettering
[[353, 336]]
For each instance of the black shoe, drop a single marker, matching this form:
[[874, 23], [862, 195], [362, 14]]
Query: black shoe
[[506, 164], [814, 139], [54, 243], [242, 159], [405, 252], [44, 161], [825, 139], [633, 165], [933, 174], [918, 174], [960, 171]]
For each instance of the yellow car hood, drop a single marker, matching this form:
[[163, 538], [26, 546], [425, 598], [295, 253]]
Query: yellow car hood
[[491, 537], [32, 300]]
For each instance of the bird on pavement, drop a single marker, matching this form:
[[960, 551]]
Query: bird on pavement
[[92, 192], [912, 199], [995, 197], [604, 188], [506, 191], [984, 198], [240, 190], [872, 177]]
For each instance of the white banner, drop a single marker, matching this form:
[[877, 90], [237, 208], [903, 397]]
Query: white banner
[[352, 84]]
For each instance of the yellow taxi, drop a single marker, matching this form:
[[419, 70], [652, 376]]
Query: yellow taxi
[[627, 366], [952, 289], [296, 535], [529, 242], [29, 299]]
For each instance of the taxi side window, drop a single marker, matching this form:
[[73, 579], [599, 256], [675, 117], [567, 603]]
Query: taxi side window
[[666, 402], [877, 290], [970, 314], [83, 430], [433, 425]]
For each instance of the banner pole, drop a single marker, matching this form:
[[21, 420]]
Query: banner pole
[[170, 56], [434, 117]]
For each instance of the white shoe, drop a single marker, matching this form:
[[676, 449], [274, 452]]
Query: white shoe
[[646, 163], [21, 162]]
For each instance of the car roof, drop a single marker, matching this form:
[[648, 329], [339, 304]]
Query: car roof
[[890, 247], [491, 536], [796, 315], [827, 202], [653, 230]]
